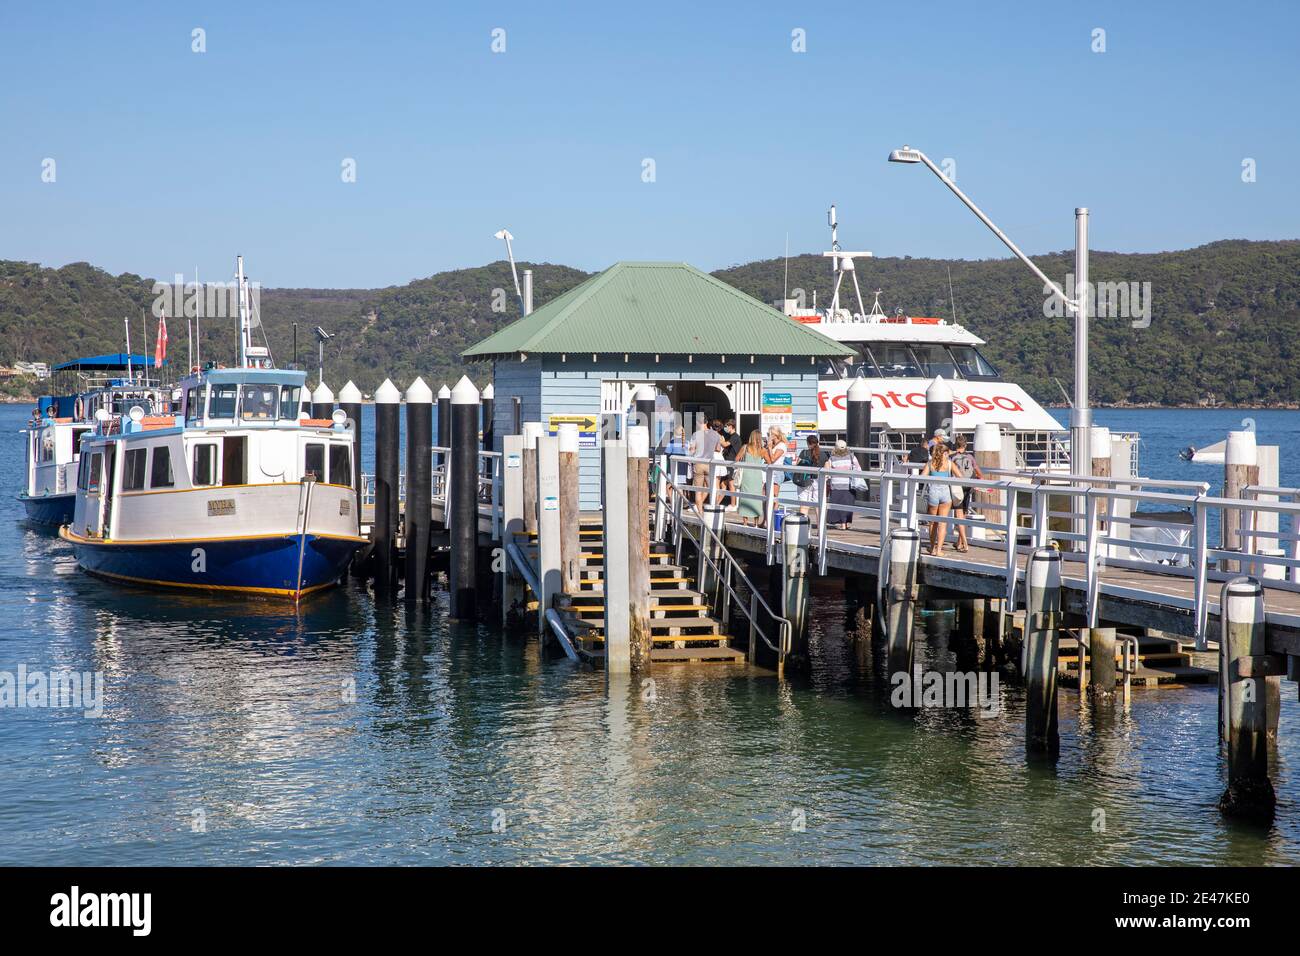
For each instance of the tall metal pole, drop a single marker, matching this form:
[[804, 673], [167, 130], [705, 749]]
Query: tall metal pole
[[1081, 413]]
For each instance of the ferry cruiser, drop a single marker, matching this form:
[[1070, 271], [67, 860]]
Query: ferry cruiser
[[115, 382], [900, 355], [237, 491]]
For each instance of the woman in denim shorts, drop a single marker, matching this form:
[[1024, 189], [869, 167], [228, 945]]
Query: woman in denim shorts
[[938, 498]]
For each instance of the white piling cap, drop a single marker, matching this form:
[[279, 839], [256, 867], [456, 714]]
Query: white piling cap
[[938, 391], [1100, 441], [387, 394], [444, 392], [904, 545], [323, 395], [532, 432], [1045, 568], [419, 393], [349, 394], [638, 442], [1243, 600], [988, 437], [568, 435], [489, 392], [1241, 449], [644, 393], [464, 393], [859, 391]]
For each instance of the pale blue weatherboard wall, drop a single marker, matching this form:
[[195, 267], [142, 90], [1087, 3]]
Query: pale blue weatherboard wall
[[547, 386]]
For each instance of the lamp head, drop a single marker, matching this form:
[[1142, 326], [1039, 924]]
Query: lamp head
[[905, 155], [503, 234]]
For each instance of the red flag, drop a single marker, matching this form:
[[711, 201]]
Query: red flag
[[160, 352]]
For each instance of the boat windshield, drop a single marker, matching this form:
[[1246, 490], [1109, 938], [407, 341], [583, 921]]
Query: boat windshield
[[258, 403], [971, 363], [896, 361], [935, 360]]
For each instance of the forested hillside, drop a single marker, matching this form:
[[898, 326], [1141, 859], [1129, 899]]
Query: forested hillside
[[1225, 318]]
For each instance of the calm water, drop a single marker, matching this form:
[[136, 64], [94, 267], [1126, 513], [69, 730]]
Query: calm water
[[234, 712]]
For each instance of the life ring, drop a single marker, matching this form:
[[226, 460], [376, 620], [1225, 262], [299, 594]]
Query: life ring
[[77, 409]]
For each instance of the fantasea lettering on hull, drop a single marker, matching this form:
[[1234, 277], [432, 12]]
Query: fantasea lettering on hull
[[899, 405]]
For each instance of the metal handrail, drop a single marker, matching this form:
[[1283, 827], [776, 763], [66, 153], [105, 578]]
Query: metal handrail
[[755, 598]]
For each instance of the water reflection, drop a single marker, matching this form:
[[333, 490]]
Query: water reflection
[[350, 732]]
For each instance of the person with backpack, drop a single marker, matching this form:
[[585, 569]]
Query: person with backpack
[[963, 466], [810, 457]]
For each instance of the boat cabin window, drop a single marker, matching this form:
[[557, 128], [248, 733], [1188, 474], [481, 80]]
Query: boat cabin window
[[971, 363], [193, 404], [313, 462], [340, 464], [76, 439], [160, 468], [92, 478], [290, 401], [133, 469], [896, 361], [205, 464], [222, 402], [935, 360], [258, 403], [83, 473]]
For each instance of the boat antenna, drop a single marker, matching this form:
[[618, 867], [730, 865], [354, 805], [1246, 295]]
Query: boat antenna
[[127, 323], [198, 337], [144, 326], [510, 254], [1064, 393], [951, 297], [785, 282], [243, 313]]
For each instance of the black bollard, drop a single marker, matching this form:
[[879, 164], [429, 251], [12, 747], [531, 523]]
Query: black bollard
[[322, 402], [350, 401], [462, 505], [489, 406], [419, 489], [387, 430], [859, 420], [938, 407]]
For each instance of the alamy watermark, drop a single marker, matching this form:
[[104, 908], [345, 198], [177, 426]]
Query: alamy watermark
[[207, 300], [948, 689], [73, 690], [1106, 300]]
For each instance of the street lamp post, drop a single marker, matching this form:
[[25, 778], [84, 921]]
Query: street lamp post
[[1081, 411]]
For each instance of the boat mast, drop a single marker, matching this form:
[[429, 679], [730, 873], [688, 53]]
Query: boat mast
[[243, 313]]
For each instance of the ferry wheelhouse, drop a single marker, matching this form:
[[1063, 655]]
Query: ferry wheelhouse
[[237, 490], [81, 387], [899, 355]]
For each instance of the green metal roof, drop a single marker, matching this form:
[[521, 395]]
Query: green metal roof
[[657, 308]]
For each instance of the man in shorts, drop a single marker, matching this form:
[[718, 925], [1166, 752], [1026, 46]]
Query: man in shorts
[[704, 442]]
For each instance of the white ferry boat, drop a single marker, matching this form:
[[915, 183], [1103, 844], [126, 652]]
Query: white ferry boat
[[239, 490], [901, 354], [53, 435]]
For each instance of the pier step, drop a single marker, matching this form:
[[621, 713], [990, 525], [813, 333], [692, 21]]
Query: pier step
[[1160, 660]]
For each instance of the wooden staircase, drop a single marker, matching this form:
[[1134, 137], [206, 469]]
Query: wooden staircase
[[683, 628], [1160, 660]]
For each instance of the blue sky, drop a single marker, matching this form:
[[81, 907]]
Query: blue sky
[[168, 159]]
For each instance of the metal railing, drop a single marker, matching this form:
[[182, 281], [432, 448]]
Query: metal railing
[[489, 483], [1092, 535], [727, 574]]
